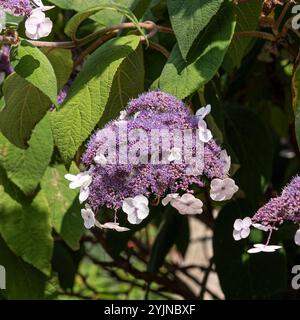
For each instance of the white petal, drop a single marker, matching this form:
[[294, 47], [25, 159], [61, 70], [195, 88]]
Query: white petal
[[45, 28], [169, 198], [84, 194], [238, 224], [31, 25], [236, 235], [75, 185], [245, 233], [143, 212], [133, 219], [260, 227], [247, 222], [204, 111], [254, 250], [140, 199], [259, 245], [70, 177], [114, 226], [128, 206], [227, 160], [271, 248], [297, 237], [205, 135]]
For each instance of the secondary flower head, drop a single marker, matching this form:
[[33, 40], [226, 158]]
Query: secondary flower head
[[285, 207]]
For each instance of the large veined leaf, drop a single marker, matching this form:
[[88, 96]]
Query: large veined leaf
[[180, 77], [32, 65], [22, 280], [27, 167], [247, 19], [189, 18], [89, 95], [27, 230], [62, 63], [127, 84], [25, 106], [65, 214]]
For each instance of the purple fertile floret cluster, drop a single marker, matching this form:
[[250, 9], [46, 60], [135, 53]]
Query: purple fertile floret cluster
[[17, 7], [113, 183], [285, 207]]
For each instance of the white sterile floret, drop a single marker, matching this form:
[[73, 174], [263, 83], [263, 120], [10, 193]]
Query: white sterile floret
[[82, 181], [187, 204], [204, 111], [241, 228], [227, 161], [111, 226], [205, 134], [88, 216], [136, 208], [38, 25], [222, 189], [169, 198], [260, 247]]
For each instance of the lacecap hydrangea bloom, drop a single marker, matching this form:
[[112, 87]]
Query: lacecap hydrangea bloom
[[37, 25], [156, 150], [285, 207]]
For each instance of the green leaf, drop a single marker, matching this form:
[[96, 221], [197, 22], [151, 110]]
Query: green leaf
[[296, 101], [181, 78], [104, 17], [25, 106], [65, 214], [27, 167], [23, 282], [128, 83], [241, 275], [247, 19], [189, 18], [89, 95], [62, 63], [32, 65], [254, 149], [165, 240], [27, 230], [74, 23]]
